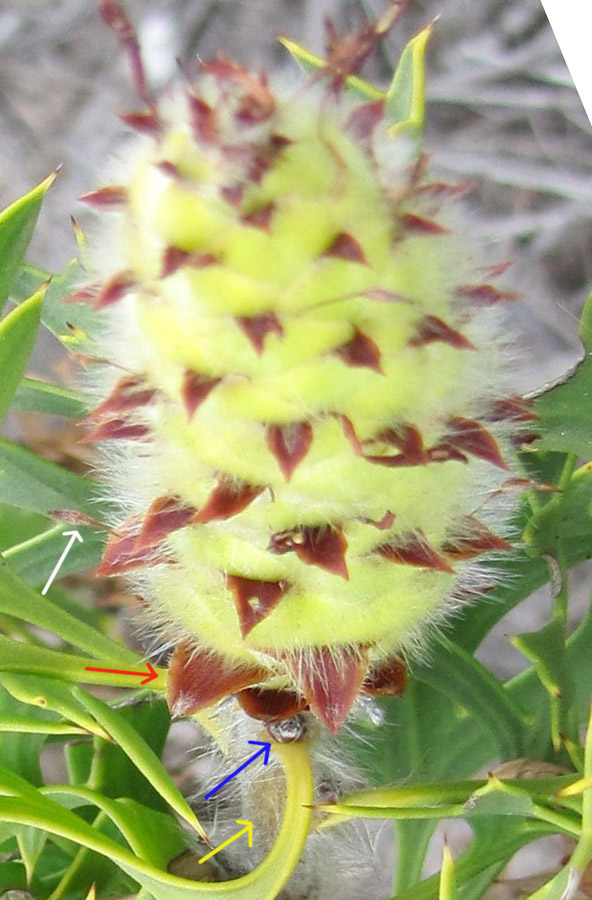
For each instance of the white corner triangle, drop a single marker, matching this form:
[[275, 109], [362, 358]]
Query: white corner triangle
[[571, 21]]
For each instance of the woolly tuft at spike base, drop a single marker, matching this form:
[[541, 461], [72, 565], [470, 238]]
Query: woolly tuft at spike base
[[303, 418]]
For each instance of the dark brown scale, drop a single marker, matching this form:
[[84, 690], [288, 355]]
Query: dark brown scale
[[360, 351], [345, 246], [204, 120], [226, 500], [289, 444], [233, 193], [144, 122], [321, 545], [413, 549], [388, 678], [254, 599], [471, 437], [111, 196], [485, 293], [198, 678], [330, 679], [130, 392], [431, 329], [195, 389], [86, 294], [173, 258], [517, 408], [279, 142], [446, 453], [258, 327], [409, 441], [271, 704], [422, 225], [363, 120], [114, 16], [347, 54], [475, 539], [164, 515], [115, 289], [116, 429], [260, 218], [348, 430], [122, 553], [382, 524], [168, 168]]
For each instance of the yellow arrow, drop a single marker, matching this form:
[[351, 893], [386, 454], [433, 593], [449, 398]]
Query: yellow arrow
[[247, 829]]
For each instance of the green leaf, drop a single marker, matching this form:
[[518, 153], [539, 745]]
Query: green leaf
[[262, 883], [42, 397], [496, 841], [33, 560], [141, 754], [28, 482], [18, 751], [27, 659], [49, 693], [31, 842], [17, 525], [546, 650], [17, 223], [566, 410], [564, 523], [19, 600], [12, 877], [153, 836], [405, 98], [69, 322], [457, 674], [19, 657], [29, 725], [114, 773], [18, 331], [447, 877]]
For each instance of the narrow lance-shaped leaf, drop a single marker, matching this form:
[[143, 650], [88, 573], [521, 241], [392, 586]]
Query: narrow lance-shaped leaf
[[134, 745], [566, 410], [262, 883], [52, 694], [28, 482], [405, 98], [40, 396], [447, 876], [17, 223], [18, 331], [19, 600]]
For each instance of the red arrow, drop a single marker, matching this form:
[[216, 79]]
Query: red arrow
[[150, 675]]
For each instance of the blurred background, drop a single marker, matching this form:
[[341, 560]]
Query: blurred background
[[502, 111]]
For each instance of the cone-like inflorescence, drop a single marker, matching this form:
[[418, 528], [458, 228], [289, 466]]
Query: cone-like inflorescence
[[303, 418]]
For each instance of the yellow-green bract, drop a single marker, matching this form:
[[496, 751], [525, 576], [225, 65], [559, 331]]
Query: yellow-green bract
[[303, 415]]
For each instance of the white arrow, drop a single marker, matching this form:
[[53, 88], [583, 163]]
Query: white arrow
[[75, 536]]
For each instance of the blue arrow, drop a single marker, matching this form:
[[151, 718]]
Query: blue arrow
[[265, 749]]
